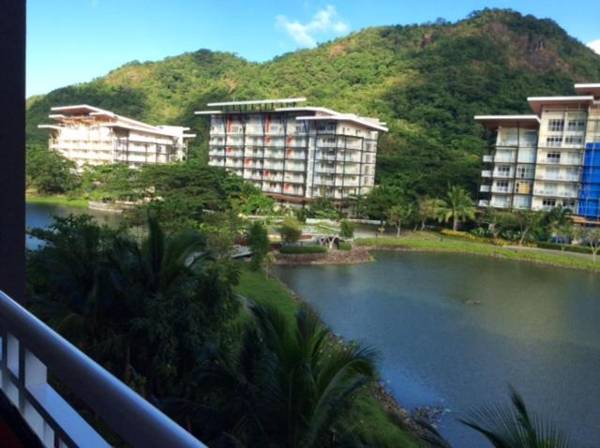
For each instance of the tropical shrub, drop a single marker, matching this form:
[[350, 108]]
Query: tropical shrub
[[258, 241], [346, 229], [290, 230], [344, 245], [308, 249]]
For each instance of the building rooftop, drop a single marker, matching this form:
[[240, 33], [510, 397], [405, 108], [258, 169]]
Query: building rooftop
[[363, 121], [588, 89], [321, 113], [258, 102], [537, 102], [86, 113], [495, 121]]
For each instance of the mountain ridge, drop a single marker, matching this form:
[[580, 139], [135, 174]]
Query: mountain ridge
[[426, 81]]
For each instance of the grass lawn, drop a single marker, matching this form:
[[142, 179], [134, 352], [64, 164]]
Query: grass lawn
[[369, 418], [58, 199], [425, 241]]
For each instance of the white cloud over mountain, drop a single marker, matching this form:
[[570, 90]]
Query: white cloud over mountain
[[595, 45], [325, 22]]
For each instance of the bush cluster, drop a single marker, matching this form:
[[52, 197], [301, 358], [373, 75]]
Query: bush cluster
[[311, 249]]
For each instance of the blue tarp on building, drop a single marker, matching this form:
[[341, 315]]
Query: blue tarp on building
[[589, 193]]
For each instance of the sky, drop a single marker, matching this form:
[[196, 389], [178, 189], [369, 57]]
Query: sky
[[72, 41]]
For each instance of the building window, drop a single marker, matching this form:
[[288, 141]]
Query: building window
[[553, 157], [549, 202], [504, 170], [569, 204], [553, 142], [556, 125], [574, 140], [525, 172], [576, 125], [502, 185]]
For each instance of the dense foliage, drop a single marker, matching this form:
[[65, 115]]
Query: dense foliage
[[161, 313], [426, 81], [48, 172]]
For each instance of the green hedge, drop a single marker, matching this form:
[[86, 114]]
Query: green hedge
[[345, 246], [312, 249], [565, 247]]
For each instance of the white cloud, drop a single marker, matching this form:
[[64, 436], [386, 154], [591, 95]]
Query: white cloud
[[325, 22], [595, 45]]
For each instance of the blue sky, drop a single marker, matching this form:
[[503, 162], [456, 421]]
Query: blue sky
[[70, 41]]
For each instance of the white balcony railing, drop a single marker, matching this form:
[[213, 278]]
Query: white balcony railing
[[556, 193], [488, 158], [484, 203], [486, 173], [30, 350], [485, 188]]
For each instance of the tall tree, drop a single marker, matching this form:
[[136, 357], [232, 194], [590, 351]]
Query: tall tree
[[49, 172], [427, 209], [591, 237], [400, 214], [528, 222], [457, 207], [258, 241]]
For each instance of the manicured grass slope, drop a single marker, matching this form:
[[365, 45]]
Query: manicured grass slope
[[424, 241], [35, 198]]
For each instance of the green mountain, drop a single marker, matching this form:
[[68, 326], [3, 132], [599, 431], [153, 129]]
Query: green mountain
[[426, 81]]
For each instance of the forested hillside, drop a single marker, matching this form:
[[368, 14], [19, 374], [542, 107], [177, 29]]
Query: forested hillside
[[426, 81]]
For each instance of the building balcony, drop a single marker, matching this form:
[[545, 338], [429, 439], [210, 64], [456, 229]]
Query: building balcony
[[486, 173], [296, 156], [500, 158], [496, 203], [234, 154], [483, 203], [555, 178], [273, 166], [556, 193], [501, 190], [31, 351], [488, 158], [485, 188]]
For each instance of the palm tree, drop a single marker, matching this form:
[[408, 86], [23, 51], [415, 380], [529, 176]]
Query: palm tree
[[529, 222], [152, 281], [315, 377], [291, 383], [559, 221], [428, 209], [515, 427], [456, 206]]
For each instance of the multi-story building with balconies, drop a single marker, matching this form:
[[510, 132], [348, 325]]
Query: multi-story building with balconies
[[547, 159], [294, 153], [89, 135]]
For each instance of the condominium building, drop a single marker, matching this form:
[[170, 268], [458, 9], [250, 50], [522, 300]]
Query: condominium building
[[89, 135], [294, 153], [546, 159]]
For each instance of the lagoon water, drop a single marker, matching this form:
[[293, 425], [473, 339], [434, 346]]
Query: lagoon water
[[40, 215], [455, 330]]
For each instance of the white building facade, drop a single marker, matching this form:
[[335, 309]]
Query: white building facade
[[294, 153], [547, 159], [92, 136]]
